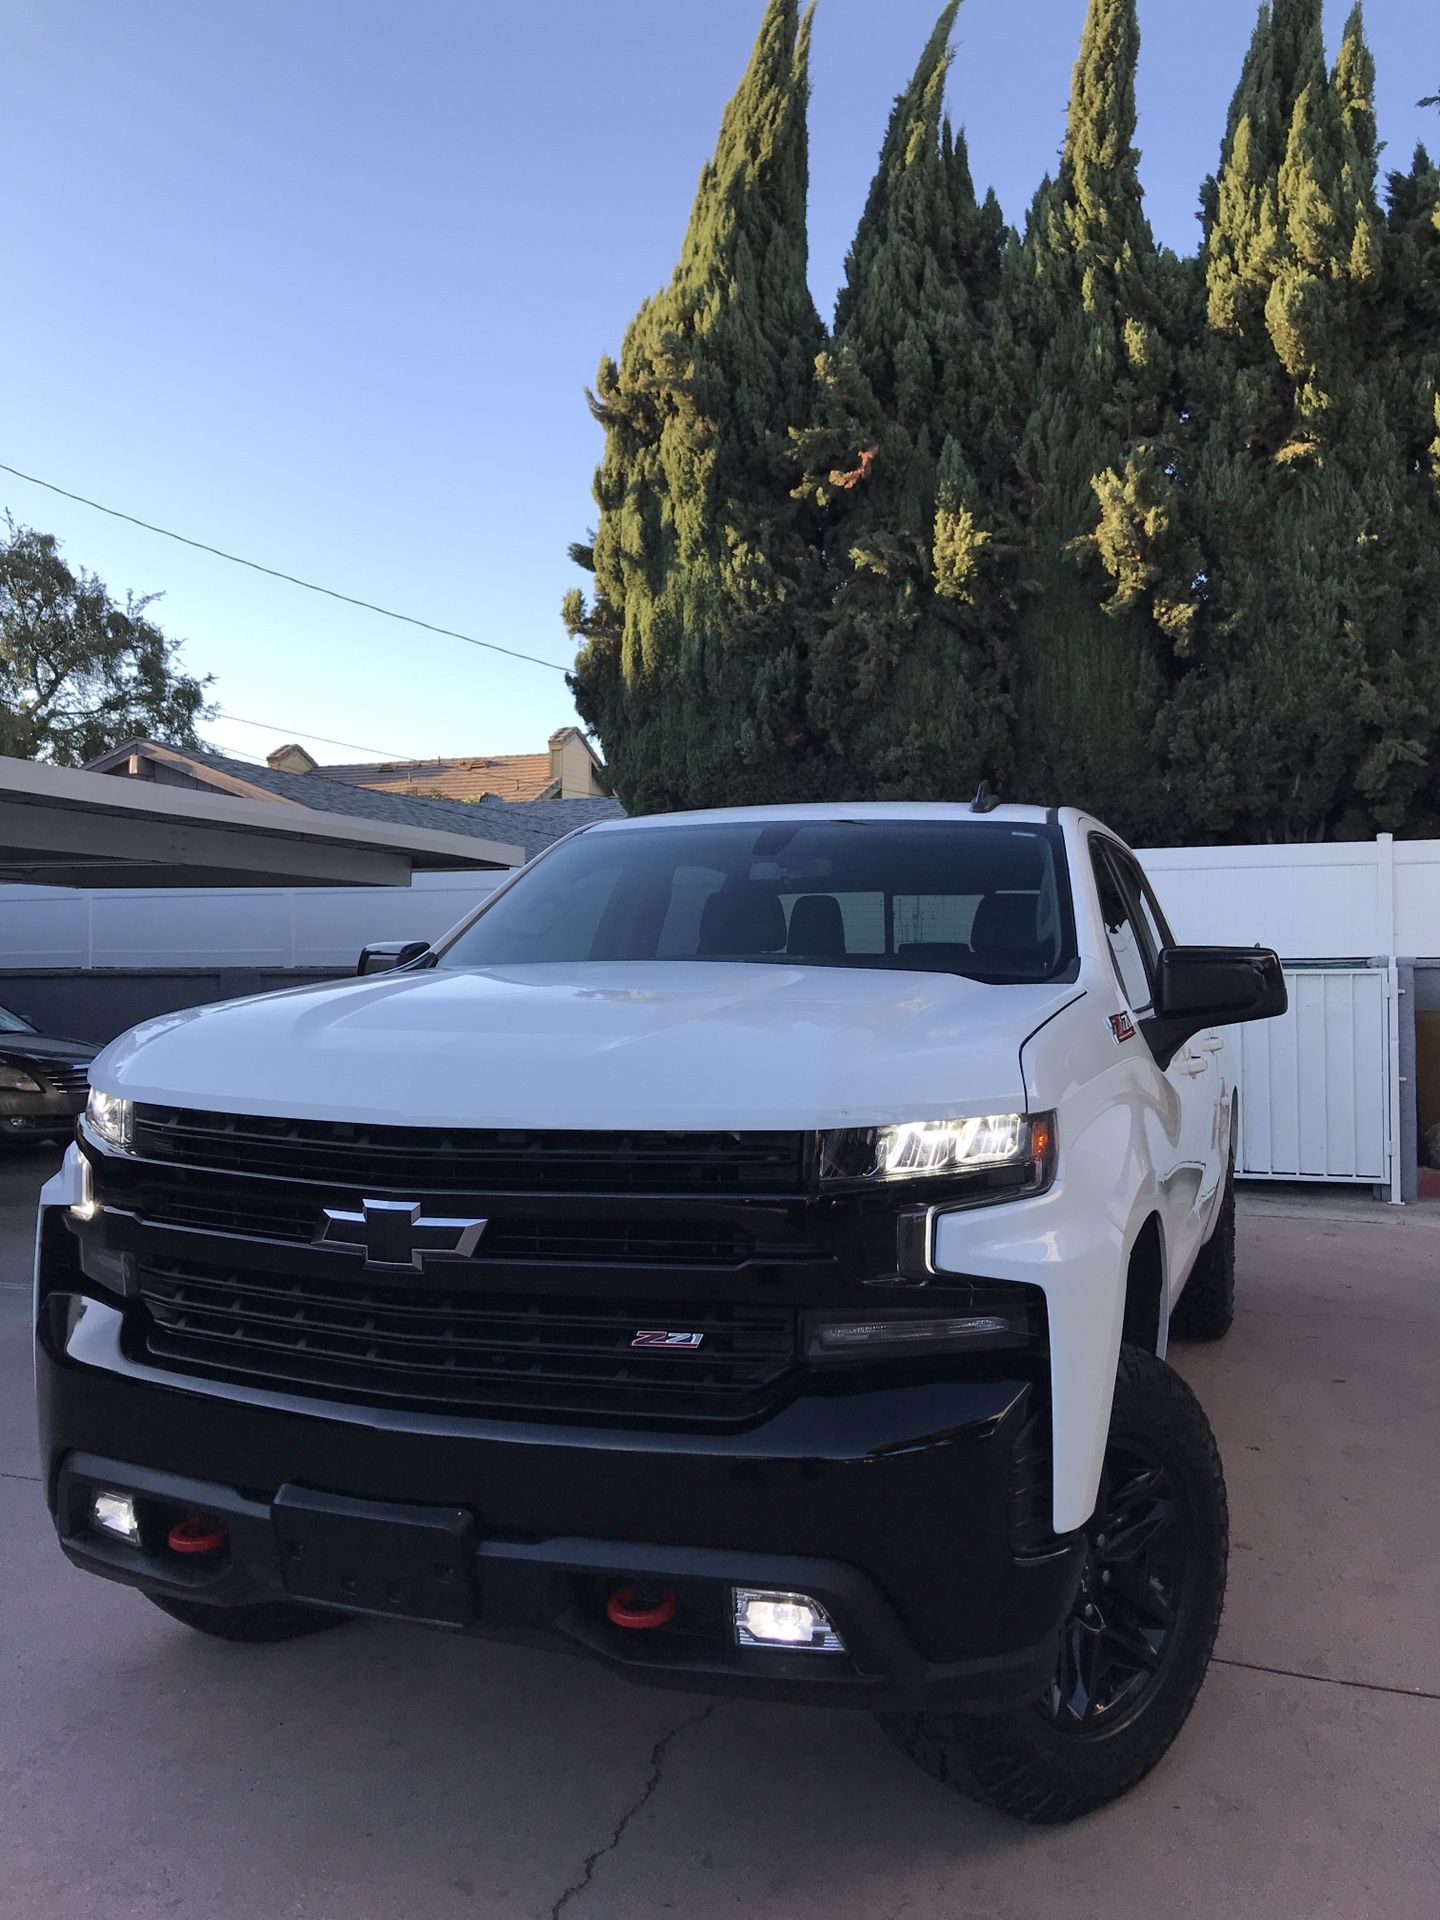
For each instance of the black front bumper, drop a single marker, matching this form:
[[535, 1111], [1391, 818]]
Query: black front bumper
[[892, 1504]]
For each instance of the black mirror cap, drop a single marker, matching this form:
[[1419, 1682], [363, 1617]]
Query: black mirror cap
[[383, 956], [1199, 987], [1219, 986]]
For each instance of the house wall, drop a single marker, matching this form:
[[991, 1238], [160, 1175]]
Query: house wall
[[574, 767]]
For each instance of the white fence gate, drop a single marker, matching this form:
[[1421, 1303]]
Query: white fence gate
[[1315, 1087]]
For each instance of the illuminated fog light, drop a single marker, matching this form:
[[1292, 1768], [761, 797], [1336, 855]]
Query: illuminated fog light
[[114, 1513], [792, 1621]]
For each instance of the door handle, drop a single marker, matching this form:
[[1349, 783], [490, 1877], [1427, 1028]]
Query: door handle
[[1212, 1043], [1191, 1063]]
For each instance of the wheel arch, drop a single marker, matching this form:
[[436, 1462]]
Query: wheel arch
[[1146, 1312]]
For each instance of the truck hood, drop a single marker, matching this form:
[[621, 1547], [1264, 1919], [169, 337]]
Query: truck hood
[[663, 1045]]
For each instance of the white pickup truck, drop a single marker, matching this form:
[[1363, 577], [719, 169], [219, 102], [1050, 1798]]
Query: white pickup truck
[[743, 1252]]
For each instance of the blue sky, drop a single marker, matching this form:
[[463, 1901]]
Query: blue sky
[[322, 284]]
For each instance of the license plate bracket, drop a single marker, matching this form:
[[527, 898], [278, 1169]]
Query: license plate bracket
[[367, 1556]]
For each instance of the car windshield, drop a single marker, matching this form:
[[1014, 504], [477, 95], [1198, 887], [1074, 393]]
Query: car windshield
[[984, 899], [12, 1023]]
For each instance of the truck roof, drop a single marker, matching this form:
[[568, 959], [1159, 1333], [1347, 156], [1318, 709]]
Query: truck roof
[[958, 813]]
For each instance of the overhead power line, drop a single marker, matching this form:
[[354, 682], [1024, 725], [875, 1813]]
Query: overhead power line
[[239, 560], [274, 726]]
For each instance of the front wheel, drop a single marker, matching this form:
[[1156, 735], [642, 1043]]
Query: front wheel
[[1133, 1653]]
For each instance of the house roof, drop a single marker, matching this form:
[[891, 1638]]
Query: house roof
[[71, 827], [531, 825], [508, 776], [511, 776]]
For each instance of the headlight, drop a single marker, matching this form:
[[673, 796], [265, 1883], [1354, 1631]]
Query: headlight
[[111, 1119], [14, 1080], [1016, 1148]]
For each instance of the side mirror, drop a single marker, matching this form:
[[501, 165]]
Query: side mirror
[[1199, 987], [385, 955]]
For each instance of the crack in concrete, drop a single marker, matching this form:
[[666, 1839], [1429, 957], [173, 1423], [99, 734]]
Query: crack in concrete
[[657, 1768], [1326, 1679], [33, 1478]]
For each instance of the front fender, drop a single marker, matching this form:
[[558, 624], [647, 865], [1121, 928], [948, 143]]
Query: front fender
[[1078, 1254], [1075, 1242]]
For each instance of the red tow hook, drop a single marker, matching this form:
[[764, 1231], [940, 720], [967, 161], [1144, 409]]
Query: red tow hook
[[626, 1607], [196, 1534]]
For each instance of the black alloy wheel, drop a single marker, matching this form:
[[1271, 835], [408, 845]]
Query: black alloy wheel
[[1133, 1651], [1128, 1609]]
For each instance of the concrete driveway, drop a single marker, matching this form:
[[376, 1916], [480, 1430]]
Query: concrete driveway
[[383, 1773]]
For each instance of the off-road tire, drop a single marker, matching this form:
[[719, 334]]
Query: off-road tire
[[1206, 1309], [263, 1624], [1023, 1762]]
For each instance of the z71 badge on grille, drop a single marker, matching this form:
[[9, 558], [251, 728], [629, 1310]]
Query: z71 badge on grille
[[687, 1341]]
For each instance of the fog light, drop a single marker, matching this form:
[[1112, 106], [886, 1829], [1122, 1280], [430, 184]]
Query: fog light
[[789, 1620], [115, 1513]]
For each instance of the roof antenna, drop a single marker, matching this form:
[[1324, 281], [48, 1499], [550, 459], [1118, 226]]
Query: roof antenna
[[985, 801]]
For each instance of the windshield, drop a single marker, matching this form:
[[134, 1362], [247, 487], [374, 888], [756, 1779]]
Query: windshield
[[987, 899], [12, 1023]]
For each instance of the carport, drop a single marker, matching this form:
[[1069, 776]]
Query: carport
[[63, 828]]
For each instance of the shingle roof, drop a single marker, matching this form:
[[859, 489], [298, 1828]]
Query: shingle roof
[[531, 824]]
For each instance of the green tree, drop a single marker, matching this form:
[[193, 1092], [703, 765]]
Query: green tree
[[1411, 342], [1303, 710], [907, 686], [79, 673], [696, 638], [1084, 386]]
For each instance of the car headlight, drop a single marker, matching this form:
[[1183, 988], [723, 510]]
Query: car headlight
[[16, 1080], [111, 1119], [1004, 1149]]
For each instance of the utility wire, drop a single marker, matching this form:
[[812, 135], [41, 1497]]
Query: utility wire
[[272, 726], [331, 593]]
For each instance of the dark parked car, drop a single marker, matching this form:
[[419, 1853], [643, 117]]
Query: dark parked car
[[43, 1081]]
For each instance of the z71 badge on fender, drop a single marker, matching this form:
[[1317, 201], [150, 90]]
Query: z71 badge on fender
[[1123, 1027]]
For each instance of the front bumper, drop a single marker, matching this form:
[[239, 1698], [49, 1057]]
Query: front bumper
[[52, 1111], [891, 1504]]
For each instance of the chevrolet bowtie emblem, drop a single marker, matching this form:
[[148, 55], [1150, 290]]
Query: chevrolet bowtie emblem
[[395, 1235]]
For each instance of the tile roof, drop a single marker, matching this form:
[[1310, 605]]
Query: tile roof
[[513, 776], [533, 824]]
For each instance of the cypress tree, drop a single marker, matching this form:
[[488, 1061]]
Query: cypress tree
[[696, 639], [1304, 707], [907, 687], [1083, 381], [1412, 344]]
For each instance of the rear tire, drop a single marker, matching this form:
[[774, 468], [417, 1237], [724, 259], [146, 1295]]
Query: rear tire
[[264, 1624], [1133, 1653], [1206, 1309]]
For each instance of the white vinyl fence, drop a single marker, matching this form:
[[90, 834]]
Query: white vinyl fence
[[1321, 1090], [242, 927]]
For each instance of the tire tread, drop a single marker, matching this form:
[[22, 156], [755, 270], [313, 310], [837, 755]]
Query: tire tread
[[1014, 1762]]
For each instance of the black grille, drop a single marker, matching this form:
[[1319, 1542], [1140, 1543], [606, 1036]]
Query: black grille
[[495, 1161], [72, 1077], [556, 1232], [429, 1346]]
